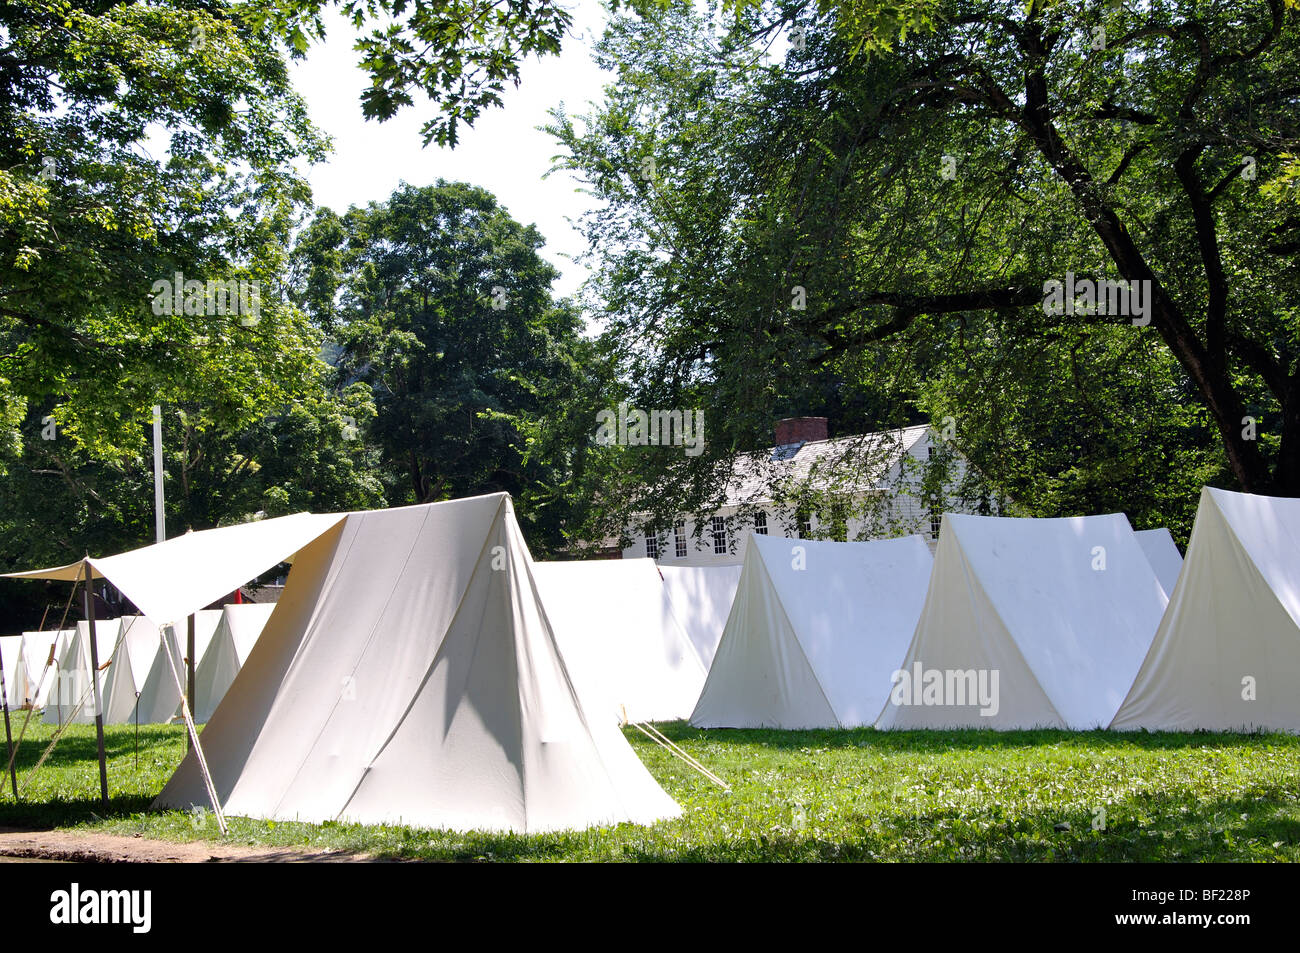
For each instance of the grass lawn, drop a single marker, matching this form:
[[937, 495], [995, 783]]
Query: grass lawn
[[807, 795]]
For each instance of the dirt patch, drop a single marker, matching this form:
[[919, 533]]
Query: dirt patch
[[115, 849]]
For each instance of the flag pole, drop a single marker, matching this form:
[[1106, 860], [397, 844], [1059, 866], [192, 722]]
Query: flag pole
[[160, 528]]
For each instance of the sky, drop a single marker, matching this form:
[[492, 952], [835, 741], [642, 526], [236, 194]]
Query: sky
[[504, 152]]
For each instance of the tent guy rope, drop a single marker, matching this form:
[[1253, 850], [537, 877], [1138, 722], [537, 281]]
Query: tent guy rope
[[662, 740], [194, 734], [49, 663]]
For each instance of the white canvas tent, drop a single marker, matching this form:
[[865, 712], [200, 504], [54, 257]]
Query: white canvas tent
[[1162, 553], [140, 687], [620, 640], [177, 577], [11, 648], [701, 597], [72, 687], [1050, 617], [234, 638], [1227, 654], [137, 647], [815, 631], [160, 698], [37, 676], [409, 675]]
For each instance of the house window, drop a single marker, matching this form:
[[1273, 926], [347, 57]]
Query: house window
[[679, 538], [805, 525], [760, 522], [936, 519], [652, 545], [719, 536]]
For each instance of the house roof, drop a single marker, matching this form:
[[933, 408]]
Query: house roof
[[851, 464]]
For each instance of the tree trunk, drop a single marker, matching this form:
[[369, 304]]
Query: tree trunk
[[1286, 480]]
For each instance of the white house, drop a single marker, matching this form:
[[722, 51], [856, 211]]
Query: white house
[[868, 486]]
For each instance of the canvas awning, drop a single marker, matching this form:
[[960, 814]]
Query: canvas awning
[[170, 580]]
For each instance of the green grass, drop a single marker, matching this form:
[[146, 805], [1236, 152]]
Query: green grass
[[799, 796]]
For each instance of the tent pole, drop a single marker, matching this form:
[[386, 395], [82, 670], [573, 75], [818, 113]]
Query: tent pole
[[9, 738], [189, 674], [88, 598]]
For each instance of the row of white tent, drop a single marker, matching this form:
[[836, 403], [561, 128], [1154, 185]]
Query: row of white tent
[[420, 668], [815, 634], [138, 671], [1013, 624], [1075, 623], [26, 658]]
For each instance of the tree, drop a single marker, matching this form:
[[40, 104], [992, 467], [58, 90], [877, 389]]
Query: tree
[[844, 208], [461, 53], [686, 257], [58, 501], [117, 266], [440, 303], [147, 192]]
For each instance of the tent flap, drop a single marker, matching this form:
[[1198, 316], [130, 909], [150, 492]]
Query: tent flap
[[175, 578]]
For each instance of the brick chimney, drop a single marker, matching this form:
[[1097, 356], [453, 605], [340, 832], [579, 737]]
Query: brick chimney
[[800, 430]]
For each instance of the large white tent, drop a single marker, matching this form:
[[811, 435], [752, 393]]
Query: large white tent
[[71, 697], [815, 632], [1162, 553], [409, 675], [234, 638], [38, 670], [701, 597], [620, 640], [1227, 653], [1028, 623]]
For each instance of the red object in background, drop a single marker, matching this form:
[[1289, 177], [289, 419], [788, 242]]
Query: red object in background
[[239, 597]]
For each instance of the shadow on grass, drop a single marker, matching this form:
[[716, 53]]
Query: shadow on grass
[[304, 857], [60, 812], [118, 744]]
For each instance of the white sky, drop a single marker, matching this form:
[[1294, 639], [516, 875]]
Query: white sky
[[504, 152]]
